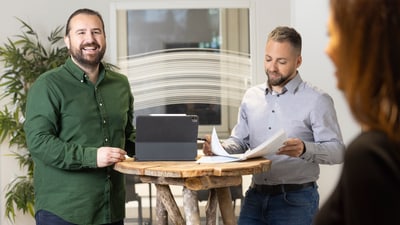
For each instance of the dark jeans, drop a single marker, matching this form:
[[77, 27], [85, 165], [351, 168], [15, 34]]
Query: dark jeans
[[288, 208], [47, 218]]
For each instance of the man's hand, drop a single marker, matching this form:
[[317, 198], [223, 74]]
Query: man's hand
[[207, 145], [293, 147], [107, 156]]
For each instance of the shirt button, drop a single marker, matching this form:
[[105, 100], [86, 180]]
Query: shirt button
[[273, 111], [101, 104], [106, 140], [104, 121]]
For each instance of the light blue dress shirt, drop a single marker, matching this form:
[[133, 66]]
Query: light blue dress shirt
[[304, 112]]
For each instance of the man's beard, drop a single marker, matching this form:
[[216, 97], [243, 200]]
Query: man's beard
[[277, 82], [77, 54]]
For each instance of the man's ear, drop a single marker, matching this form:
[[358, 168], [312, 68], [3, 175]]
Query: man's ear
[[66, 41], [299, 61]]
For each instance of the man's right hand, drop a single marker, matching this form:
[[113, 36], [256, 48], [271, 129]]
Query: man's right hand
[[107, 156], [207, 145]]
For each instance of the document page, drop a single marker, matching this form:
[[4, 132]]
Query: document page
[[216, 146], [268, 147]]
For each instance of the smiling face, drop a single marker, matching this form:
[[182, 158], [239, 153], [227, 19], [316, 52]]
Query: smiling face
[[86, 40]]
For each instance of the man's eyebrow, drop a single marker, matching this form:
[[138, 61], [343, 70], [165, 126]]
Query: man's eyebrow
[[279, 58], [84, 29]]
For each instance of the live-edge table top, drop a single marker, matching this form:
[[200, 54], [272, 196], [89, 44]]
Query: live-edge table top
[[186, 169]]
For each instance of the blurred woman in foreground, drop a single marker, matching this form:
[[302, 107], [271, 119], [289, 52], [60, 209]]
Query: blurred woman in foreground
[[364, 46]]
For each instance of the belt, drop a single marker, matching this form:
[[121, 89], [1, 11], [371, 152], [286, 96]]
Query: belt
[[281, 188]]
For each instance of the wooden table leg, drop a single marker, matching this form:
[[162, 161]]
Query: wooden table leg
[[211, 208], [161, 212], [191, 207], [167, 199], [225, 205]]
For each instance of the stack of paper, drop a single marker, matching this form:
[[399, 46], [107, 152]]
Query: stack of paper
[[266, 148]]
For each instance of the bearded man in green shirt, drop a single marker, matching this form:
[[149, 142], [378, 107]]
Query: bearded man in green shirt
[[79, 123]]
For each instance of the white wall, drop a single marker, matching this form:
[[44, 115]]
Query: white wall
[[318, 69], [45, 15]]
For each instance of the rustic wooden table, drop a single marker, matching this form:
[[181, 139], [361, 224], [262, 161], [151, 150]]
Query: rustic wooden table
[[216, 177]]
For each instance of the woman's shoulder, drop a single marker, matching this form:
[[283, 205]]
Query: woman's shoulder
[[373, 146]]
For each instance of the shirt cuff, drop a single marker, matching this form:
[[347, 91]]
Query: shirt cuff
[[90, 157], [308, 154]]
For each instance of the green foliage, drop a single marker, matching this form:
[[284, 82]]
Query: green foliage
[[20, 192], [24, 59]]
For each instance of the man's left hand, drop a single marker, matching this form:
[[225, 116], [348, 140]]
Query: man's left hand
[[293, 147]]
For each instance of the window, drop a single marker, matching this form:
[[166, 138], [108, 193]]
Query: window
[[193, 60]]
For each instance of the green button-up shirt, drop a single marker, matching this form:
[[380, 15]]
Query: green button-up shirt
[[67, 119]]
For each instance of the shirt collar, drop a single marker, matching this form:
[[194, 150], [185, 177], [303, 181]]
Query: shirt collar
[[79, 74], [290, 87]]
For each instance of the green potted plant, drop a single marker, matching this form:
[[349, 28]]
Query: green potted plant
[[23, 60]]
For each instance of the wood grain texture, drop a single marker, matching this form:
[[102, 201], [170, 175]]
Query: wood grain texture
[[216, 177], [161, 213], [165, 195], [211, 208], [185, 169], [225, 206], [191, 207]]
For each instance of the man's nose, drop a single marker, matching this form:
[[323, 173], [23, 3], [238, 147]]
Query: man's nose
[[89, 37], [271, 66]]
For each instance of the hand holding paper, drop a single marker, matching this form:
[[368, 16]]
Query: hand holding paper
[[266, 148]]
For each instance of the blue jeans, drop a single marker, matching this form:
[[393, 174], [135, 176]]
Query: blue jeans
[[288, 208], [47, 218]]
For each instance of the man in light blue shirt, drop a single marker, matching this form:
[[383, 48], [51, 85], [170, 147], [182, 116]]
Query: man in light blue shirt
[[286, 194]]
